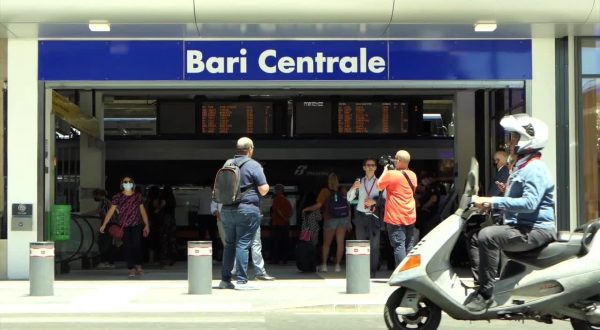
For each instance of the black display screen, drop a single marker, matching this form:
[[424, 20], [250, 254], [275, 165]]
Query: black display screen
[[312, 117], [230, 117], [372, 118], [177, 117]]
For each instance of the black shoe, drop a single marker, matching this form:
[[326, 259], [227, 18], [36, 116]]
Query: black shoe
[[475, 302]]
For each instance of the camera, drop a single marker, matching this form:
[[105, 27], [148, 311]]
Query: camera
[[388, 161]]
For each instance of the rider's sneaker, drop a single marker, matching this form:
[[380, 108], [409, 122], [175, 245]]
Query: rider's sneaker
[[477, 303]]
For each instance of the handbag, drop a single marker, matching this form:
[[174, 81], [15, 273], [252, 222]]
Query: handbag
[[304, 235], [116, 231]]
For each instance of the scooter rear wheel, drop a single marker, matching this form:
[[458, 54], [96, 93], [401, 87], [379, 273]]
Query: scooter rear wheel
[[582, 325], [428, 316]]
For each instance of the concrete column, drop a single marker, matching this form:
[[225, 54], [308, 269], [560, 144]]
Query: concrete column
[[23, 148], [91, 158], [464, 138], [543, 94]]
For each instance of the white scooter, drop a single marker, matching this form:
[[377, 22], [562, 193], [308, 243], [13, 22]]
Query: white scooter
[[557, 281]]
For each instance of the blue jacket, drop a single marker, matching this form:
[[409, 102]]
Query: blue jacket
[[529, 197]]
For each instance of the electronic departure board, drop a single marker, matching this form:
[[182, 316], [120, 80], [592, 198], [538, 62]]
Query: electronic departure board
[[230, 117], [312, 117], [372, 117]]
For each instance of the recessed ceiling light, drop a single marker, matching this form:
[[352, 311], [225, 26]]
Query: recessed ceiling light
[[485, 26], [99, 26]]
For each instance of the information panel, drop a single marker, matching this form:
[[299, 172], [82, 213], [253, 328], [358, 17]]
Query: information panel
[[237, 117], [312, 117], [372, 117]]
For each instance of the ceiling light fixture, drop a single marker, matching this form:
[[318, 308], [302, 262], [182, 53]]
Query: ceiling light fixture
[[99, 26], [485, 26]]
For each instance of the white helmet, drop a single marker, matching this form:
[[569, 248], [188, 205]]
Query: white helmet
[[533, 132]]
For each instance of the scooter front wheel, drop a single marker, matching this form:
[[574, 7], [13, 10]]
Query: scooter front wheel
[[428, 317]]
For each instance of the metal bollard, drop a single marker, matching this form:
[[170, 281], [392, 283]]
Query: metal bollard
[[358, 269], [41, 268], [199, 267]]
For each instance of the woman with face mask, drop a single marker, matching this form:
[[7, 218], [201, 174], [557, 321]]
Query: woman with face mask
[[134, 220]]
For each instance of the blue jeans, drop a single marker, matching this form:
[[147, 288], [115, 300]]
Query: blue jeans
[[401, 239], [240, 224]]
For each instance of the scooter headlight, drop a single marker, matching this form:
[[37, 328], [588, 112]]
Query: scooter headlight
[[410, 262]]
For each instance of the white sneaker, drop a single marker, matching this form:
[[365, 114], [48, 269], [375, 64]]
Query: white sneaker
[[338, 268], [322, 269]]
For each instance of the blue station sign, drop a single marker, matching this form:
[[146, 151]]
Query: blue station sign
[[285, 60]]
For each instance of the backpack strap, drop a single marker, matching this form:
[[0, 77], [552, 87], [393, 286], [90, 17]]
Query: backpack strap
[[412, 187]]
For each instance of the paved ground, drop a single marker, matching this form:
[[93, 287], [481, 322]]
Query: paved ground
[[106, 299]]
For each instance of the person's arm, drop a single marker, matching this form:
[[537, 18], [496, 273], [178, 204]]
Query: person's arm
[[528, 202], [107, 218], [353, 192], [263, 189], [382, 182], [145, 220], [319, 203]]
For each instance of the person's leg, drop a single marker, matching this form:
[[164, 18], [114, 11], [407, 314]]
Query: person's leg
[[228, 220], [246, 228], [127, 248], [137, 235], [374, 240], [398, 241], [361, 226], [284, 238], [409, 233], [276, 244], [328, 235], [491, 239], [473, 253], [340, 236], [257, 259], [104, 244]]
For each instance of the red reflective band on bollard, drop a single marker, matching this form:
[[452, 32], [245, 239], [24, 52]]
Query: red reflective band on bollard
[[43, 252], [358, 250], [199, 251]]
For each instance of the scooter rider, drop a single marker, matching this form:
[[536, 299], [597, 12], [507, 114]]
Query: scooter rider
[[528, 205]]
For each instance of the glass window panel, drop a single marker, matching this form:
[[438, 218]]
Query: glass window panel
[[591, 146], [590, 56]]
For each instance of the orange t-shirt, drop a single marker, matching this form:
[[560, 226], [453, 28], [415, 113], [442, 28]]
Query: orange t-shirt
[[281, 211], [400, 202]]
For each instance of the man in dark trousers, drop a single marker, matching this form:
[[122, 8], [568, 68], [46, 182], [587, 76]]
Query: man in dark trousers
[[241, 221]]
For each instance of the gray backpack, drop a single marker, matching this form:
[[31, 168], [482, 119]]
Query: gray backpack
[[227, 188]]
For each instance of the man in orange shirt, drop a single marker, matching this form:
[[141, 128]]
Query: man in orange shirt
[[400, 211], [281, 211]]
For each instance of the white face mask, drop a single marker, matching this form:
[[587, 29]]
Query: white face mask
[[128, 186]]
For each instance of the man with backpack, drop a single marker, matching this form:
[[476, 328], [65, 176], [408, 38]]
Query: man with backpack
[[400, 212], [238, 186]]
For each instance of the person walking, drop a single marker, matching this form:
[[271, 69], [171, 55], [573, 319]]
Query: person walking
[[242, 221], [134, 220]]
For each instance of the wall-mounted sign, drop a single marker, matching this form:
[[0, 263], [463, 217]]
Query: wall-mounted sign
[[285, 60]]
